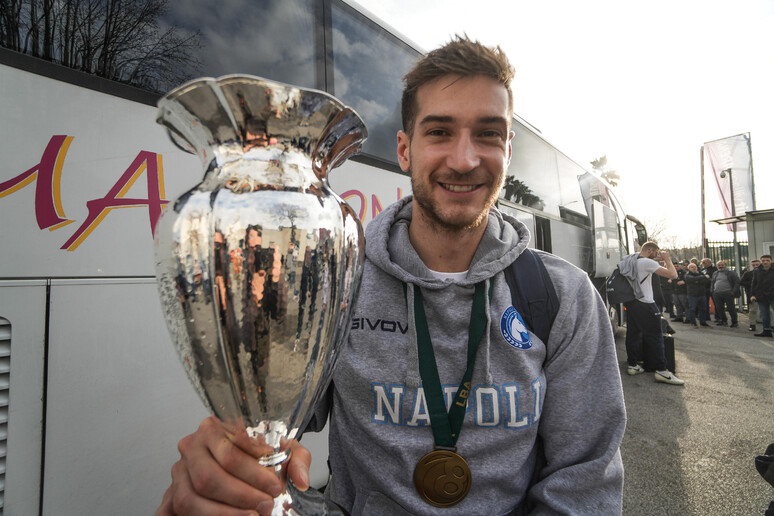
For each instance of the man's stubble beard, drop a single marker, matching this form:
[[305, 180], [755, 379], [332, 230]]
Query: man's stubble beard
[[431, 213]]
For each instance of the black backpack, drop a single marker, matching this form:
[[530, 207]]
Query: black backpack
[[619, 288], [532, 293]]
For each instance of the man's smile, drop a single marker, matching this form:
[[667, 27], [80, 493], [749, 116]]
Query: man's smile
[[459, 188]]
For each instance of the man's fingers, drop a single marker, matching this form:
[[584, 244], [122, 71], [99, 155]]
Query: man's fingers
[[298, 466], [165, 509], [244, 466], [184, 501], [212, 467]]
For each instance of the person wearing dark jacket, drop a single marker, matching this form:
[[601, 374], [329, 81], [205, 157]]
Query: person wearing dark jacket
[[708, 270], [680, 294], [667, 288], [696, 283], [725, 289], [763, 293], [746, 282]]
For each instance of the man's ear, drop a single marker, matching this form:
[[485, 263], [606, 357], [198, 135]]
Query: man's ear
[[404, 151]]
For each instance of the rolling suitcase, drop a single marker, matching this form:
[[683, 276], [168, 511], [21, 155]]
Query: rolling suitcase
[[669, 352]]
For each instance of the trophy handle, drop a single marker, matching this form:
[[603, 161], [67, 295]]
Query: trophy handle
[[344, 137]]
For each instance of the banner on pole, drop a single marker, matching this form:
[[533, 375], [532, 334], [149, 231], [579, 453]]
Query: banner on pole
[[730, 161]]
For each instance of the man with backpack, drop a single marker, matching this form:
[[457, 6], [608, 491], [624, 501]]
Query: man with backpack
[[725, 290], [539, 422], [643, 317]]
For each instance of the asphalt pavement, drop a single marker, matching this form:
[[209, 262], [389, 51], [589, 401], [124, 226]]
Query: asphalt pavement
[[690, 450]]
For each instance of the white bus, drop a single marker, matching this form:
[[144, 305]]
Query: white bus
[[93, 398]]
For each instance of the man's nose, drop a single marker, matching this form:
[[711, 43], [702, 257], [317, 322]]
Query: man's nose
[[464, 156]]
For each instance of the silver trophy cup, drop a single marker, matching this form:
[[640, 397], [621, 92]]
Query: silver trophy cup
[[259, 264]]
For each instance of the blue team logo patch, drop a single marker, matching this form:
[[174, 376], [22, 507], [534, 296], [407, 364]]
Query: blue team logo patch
[[513, 329]]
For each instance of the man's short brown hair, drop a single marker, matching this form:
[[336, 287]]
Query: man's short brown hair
[[463, 57]]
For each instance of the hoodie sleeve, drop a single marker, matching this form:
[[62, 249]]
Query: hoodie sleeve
[[583, 418]]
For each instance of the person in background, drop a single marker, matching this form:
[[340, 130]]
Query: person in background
[[746, 282], [725, 289], [763, 293], [667, 288], [695, 284], [679, 292], [644, 336], [708, 269]]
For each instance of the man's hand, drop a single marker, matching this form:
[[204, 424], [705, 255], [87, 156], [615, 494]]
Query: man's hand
[[218, 473]]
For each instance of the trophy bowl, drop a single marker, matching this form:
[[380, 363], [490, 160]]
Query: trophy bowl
[[259, 264]]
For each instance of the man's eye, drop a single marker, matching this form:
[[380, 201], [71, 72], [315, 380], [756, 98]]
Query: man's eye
[[492, 133], [436, 132]]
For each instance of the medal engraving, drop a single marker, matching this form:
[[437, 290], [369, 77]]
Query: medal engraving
[[442, 478]]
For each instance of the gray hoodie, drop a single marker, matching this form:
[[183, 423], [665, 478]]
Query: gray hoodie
[[566, 393]]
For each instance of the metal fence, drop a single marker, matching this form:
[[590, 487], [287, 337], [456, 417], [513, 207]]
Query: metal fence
[[724, 250]]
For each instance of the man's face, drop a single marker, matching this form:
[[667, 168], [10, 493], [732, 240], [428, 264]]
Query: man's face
[[721, 265], [653, 254], [755, 264], [460, 150], [693, 268], [705, 263], [766, 262]]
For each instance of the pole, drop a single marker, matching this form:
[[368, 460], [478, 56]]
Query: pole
[[752, 171], [737, 265], [703, 225]]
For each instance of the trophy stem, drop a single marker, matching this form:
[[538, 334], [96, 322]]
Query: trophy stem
[[271, 432]]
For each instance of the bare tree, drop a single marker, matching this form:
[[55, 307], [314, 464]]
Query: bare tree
[[123, 40]]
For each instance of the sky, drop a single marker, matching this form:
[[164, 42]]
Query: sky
[[644, 83]]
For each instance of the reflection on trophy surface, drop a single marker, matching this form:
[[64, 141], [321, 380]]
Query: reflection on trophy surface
[[259, 264]]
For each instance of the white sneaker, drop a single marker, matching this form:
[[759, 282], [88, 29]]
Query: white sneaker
[[634, 369], [667, 377]]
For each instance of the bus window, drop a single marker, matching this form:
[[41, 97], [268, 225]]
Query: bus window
[[571, 205], [532, 176], [526, 218], [368, 68], [232, 33], [543, 234]]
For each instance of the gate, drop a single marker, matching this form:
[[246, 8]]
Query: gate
[[724, 250]]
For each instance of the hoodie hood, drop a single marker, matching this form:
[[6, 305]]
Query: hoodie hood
[[389, 248]]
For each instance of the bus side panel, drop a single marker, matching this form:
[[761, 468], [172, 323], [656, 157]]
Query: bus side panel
[[23, 305], [83, 175], [368, 190], [118, 399]]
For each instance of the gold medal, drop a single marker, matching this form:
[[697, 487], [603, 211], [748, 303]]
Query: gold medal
[[442, 478]]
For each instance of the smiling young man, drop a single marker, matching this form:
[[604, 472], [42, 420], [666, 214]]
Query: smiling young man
[[537, 425]]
